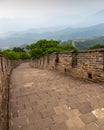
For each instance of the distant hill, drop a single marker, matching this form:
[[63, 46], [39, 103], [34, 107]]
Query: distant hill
[[32, 35], [82, 33], [85, 44]]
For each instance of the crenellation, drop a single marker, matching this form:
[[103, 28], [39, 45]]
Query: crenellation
[[87, 65]]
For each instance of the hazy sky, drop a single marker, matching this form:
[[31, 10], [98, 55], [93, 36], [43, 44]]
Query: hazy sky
[[46, 12], [37, 8]]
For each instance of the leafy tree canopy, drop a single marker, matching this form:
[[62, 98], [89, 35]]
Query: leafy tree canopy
[[18, 49], [37, 50], [44, 47]]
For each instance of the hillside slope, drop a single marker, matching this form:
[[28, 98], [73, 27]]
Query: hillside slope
[[85, 44], [19, 38]]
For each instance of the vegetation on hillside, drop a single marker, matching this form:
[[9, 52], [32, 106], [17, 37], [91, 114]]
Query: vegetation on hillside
[[37, 50], [97, 46], [12, 55], [44, 47], [41, 48], [86, 44]]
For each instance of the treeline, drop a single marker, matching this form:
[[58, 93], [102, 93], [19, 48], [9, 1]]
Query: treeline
[[97, 46], [14, 55], [89, 42], [37, 50], [41, 48]]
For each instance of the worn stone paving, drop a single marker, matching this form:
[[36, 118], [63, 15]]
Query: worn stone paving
[[47, 100]]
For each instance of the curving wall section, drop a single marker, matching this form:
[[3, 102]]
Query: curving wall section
[[88, 65]]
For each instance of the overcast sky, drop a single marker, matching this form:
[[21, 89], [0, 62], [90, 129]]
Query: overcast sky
[[47, 12]]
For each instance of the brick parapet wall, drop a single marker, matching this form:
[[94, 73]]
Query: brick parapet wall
[[88, 65], [6, 67]]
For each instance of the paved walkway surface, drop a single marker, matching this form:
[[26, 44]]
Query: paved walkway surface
[[46, 100]]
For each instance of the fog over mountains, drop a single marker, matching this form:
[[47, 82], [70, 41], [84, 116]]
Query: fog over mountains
[[86, 27]]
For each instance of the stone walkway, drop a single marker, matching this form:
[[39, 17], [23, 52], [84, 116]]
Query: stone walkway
[[46, 100]]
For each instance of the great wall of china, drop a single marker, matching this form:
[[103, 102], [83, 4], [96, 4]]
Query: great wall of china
[[6, 67], [87, 65]]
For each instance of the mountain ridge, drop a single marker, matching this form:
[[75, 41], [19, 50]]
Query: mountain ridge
[[68, 33]]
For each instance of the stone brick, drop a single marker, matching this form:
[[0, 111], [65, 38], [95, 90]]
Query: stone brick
[[88, 118], [92, 126], [5, 69], [60, 118], [85, 108], [61, 126], [48, 103], [72, 113], [102, 128], [99, 113], [46, 129], [75, 122], [85, 65], [100, 122], [44, 123], [61, 109]]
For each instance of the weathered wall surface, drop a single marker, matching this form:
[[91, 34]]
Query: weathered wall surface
[[5, 69], [86, 64]]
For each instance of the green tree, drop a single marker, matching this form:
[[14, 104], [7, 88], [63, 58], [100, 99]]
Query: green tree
[[97, 46], [37, 50], [18, 49], [36, 53], [24, 55], [43, 47], [11, 54]]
